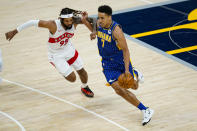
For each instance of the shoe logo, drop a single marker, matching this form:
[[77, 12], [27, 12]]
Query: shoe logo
[[112, 80]]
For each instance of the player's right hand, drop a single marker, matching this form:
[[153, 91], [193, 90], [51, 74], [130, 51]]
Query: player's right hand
[[93, 35], [9, 35]]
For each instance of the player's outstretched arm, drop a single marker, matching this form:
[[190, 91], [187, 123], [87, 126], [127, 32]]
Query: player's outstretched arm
[[92, 25], [119, 36], [37, 23], [87, 21], [90, 22]]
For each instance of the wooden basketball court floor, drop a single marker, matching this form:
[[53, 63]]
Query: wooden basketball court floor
[[35, 97]]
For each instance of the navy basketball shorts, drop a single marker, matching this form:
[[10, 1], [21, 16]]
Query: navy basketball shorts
[[112, 74]]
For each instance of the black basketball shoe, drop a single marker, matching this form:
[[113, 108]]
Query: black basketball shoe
[[87, 92]]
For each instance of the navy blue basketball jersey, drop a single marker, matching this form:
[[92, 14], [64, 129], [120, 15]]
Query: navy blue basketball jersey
[[112, 55]]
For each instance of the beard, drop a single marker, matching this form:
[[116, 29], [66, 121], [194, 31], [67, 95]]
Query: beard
[[65, 26]]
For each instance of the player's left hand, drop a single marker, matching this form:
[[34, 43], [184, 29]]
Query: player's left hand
[[84, 15]]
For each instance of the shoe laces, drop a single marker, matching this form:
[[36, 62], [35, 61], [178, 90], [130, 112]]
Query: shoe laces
[[146, 113]]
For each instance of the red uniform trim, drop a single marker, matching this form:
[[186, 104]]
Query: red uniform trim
[[61, 37], [52, 63], [73, 59]]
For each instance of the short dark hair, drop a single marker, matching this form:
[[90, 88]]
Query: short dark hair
[[105, 9]]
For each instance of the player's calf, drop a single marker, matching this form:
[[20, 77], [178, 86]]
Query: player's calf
[[83, 75]]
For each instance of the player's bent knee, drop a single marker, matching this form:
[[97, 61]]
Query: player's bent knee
[[71, 77], [135, 85], [118, 89]]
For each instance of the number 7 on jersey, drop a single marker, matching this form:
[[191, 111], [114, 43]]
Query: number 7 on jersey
[[103, 42]]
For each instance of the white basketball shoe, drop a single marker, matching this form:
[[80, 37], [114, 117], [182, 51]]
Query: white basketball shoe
[[139, 75], [147, 115]]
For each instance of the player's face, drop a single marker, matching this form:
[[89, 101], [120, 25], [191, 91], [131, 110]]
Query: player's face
[[104, 20], [68, 22]]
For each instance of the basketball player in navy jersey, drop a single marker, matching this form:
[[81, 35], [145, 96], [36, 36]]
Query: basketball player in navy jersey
[[115, 55]]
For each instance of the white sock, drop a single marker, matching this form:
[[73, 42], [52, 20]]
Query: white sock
[[84, 85]]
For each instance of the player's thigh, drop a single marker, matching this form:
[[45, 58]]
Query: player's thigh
[[78, 64], [112, 75], [62, 66]]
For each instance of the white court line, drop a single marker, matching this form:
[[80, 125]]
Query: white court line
[[18, 123], [68, 102]]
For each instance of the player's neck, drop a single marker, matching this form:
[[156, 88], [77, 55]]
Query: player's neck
[[109, 24]]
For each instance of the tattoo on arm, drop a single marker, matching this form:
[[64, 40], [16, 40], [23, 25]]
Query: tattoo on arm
[[77, 20], [93, 22]]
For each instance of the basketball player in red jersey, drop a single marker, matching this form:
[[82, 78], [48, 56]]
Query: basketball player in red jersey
[[61, 52]]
